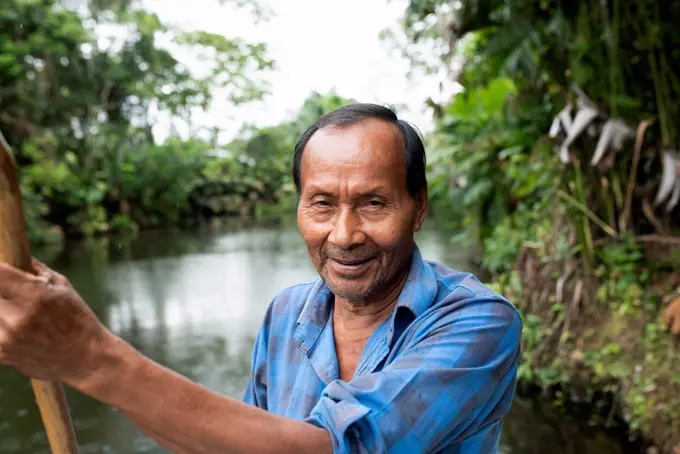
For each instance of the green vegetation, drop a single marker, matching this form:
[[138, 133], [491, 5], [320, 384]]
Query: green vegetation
[[78, 111], [577, 218]]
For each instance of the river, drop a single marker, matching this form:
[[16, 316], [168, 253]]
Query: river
[[193, 301]]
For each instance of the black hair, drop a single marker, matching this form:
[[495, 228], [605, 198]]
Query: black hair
[[352, 114]]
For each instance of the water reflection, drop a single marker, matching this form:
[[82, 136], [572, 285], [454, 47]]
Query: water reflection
[[193, 301]]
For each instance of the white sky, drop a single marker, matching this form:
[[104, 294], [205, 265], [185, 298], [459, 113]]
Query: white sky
[[317, 45]]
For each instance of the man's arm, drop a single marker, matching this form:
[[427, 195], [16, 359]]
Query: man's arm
[[48, 332], [189, 416]]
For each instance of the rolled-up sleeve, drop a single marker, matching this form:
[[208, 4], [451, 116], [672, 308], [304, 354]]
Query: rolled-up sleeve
[[454, 379]]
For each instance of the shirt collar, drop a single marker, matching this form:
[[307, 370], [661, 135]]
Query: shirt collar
[[420, 288], [417, 296]]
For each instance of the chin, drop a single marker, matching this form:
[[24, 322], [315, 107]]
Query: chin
[[349, 294], [350, 290]]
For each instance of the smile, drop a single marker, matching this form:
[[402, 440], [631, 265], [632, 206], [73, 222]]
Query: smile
[[350, 267]]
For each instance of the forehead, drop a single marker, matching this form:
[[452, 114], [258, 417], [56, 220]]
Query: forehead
[[370, 151]]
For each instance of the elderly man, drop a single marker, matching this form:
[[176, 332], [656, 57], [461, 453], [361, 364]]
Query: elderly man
[[385, 352]]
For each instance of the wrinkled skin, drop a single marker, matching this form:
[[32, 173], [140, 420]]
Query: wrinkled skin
[[355, 213], [46, 330]]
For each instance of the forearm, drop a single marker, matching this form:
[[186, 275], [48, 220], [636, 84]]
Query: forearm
[[180, 413], [161, 439]]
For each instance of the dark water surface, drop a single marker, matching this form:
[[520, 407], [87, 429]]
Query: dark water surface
[[193, 301]]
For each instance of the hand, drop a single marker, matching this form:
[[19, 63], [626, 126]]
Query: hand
[[47, 331]]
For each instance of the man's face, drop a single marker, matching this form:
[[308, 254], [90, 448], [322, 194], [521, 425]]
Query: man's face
[[355, 213]]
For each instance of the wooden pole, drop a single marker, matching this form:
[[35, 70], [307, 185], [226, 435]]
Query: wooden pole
[[15, 250]]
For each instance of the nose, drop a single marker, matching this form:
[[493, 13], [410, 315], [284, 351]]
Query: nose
[[347, 229]]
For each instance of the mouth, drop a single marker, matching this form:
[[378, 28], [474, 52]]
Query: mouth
[[355, 262], [350, 267]]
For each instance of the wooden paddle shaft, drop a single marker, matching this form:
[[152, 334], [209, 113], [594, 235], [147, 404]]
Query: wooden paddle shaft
[[15, 250]]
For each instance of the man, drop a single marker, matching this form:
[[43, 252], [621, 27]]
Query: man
[[385, 352]]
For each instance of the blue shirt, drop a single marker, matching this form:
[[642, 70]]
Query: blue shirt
[[438, 376]]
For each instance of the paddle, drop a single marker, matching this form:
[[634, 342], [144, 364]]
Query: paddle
[[15, 250]]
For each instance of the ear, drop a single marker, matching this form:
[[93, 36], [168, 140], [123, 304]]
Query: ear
[[422, 205]]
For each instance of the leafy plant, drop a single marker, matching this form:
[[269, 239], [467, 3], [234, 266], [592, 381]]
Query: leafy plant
[[572, 185]]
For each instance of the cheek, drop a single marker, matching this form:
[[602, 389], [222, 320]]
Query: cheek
[[313, 233], [392, 238]]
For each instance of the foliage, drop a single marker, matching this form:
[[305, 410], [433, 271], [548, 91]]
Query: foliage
[[520, 64], [485, 159], [79, 87], [567, 210]]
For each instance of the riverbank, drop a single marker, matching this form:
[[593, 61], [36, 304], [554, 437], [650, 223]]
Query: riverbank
[[45, 234], [599, 340]]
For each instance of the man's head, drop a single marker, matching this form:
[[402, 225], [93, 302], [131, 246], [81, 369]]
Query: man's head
[[360, 176]]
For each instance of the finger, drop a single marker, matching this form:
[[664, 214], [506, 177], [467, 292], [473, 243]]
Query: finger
[[41, 270], [38, 266], [45, 271], [9, 314], [5, 330], [13, 281]]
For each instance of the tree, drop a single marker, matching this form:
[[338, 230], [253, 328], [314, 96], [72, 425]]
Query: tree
[[80, 81]]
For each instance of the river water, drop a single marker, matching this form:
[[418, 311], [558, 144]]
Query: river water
[[193, 301]]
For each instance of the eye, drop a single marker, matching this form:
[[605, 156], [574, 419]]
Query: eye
[[321, 203], [375, 203]]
